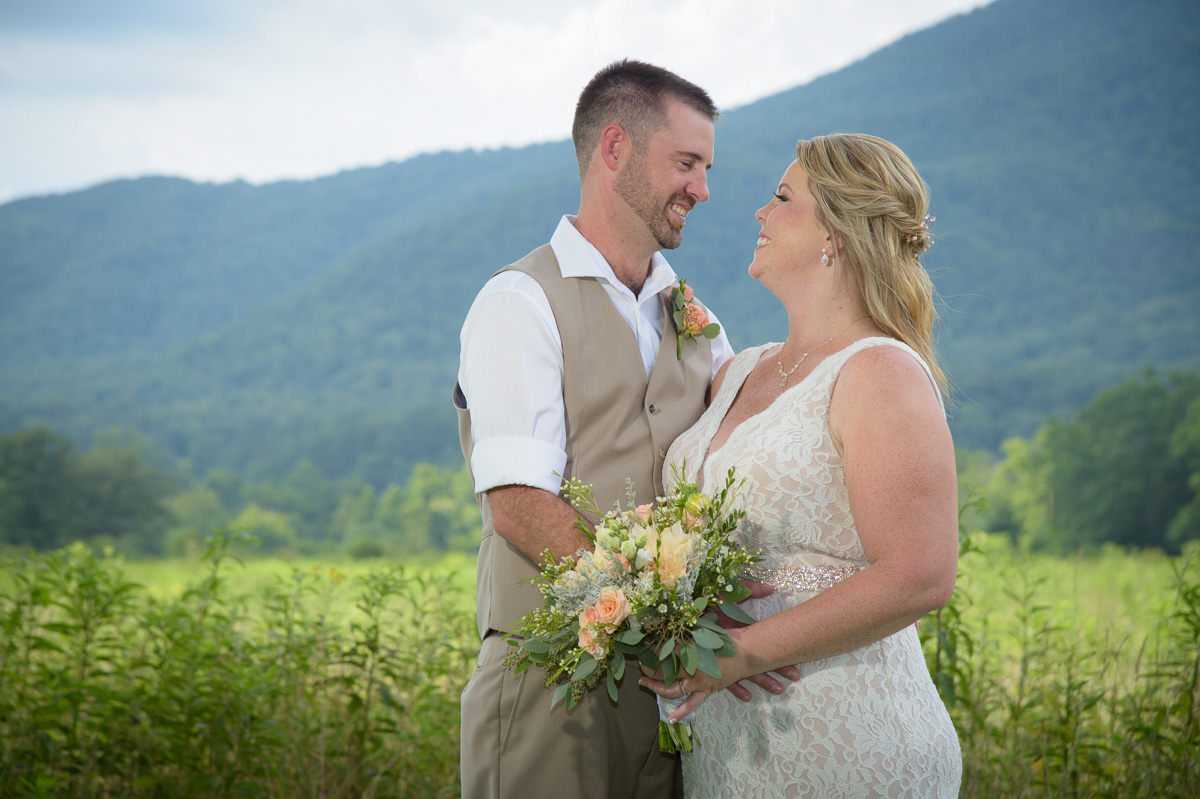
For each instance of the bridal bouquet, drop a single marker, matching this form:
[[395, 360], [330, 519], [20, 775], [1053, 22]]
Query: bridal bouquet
[[647, 591]]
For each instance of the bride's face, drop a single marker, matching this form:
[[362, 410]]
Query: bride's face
[[791, 235]]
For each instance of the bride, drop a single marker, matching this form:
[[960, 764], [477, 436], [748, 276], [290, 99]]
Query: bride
[[850, 494]]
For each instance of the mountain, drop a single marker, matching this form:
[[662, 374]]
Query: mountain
[[249, 326]]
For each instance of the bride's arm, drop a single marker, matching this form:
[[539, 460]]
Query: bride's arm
[[888, 425]]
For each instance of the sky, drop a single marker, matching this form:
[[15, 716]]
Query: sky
[[264, 90]]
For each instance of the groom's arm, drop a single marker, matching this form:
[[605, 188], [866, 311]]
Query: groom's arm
[[534, 520], [511, 376]]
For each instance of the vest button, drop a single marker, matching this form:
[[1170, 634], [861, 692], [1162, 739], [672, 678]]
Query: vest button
[[662, 453], [654, 410]]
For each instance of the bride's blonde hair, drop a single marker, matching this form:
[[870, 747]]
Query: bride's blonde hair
[[874, 204]]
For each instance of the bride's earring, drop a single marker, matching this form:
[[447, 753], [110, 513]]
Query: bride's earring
[[824, 257]]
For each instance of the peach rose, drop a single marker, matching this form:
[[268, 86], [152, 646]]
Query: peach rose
[[643, 513], [688, 293], [695, 319], [611, 608], [590, 644]]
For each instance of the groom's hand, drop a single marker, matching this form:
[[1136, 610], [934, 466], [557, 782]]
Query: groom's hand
[[764, 681]]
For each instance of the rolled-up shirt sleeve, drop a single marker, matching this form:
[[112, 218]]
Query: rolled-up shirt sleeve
[[510, 372]]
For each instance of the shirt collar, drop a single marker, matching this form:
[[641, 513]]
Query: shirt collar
[[578, 258]]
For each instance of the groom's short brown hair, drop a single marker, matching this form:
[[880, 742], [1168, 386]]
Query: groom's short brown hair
[[632, 94]]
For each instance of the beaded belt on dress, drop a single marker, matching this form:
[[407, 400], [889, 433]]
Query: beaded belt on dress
[[806, 578]]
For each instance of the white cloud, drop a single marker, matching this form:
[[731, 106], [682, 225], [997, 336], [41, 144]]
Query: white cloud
[[309, 87]]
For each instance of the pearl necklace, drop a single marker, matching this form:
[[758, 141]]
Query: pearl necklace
[[779, 362]]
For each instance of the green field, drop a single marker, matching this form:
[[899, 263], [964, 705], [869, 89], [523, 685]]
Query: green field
[[1065, 677]]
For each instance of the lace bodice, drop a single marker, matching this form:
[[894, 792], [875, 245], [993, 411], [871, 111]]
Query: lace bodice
[[867, 723]]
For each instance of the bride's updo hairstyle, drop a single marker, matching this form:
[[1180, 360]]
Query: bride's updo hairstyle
[[873, 202]]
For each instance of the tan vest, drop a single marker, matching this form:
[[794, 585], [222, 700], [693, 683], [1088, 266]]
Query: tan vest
[[619, 424]]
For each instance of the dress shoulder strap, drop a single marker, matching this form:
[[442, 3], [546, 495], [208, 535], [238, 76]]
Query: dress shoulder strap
[[836, 361]]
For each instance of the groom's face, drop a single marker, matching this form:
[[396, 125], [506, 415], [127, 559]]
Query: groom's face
[[668, 175]]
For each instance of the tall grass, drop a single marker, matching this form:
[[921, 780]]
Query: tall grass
[[106, 690], [1051, 699], [1064, 678]]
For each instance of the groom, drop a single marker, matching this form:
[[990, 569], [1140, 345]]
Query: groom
[[569, 368]]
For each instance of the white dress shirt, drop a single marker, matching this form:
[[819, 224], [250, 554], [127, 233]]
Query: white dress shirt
[[511, 365]]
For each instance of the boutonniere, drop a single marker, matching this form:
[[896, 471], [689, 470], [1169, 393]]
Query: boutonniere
[[691, 319]]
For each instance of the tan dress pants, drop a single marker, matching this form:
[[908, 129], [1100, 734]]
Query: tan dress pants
[[515, 747]]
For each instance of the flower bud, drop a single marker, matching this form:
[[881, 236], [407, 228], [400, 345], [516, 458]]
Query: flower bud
[[697, 503]]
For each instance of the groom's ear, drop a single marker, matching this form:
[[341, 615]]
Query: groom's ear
[[615, 147]]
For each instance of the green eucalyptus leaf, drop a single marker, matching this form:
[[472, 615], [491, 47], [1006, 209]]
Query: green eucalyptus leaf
[[707, 638], [736, 613], [631, 637], [587, 664], [689, 657], [670, 667], [708, 663]]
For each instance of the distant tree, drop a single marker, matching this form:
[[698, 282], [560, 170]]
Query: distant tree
[[436, 511], [355, 518], [52, 495], [1020, 501], [1112, 475], [305, 496], [124, 499], [226, 485], [198, 512], [41, 496], [1185, 445], [272, 529], [1125, 470]]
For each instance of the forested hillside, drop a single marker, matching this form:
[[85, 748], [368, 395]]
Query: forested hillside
[[249, 327]]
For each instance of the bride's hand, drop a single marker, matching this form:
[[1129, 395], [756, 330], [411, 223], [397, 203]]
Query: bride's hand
[[764, 681], [699, 685], [682, 685]]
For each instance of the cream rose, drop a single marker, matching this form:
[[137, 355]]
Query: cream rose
[[674, 549]]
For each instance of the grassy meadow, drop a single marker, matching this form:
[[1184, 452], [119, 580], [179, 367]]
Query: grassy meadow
[[1065, 677]]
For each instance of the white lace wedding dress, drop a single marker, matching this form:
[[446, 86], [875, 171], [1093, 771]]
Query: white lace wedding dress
[[864, 724]]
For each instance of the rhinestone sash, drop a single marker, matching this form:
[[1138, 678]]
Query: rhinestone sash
[[807, 578]]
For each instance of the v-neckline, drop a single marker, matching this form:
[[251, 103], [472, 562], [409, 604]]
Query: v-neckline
[[709, 452]]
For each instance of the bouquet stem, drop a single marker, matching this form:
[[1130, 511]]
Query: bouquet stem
[[675, 736]]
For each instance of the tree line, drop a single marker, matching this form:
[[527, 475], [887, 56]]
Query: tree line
[[125, 493], [1125, 470]]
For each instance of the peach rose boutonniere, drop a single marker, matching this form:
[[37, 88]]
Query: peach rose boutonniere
[[691, 319]]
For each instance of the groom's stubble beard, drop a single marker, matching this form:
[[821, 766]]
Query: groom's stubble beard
[[636, 189]]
